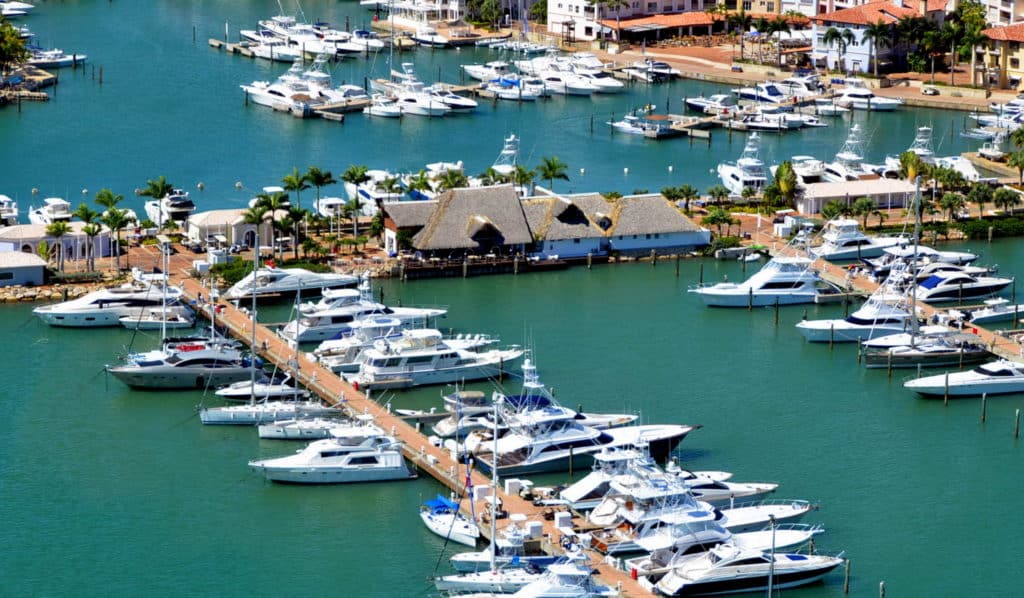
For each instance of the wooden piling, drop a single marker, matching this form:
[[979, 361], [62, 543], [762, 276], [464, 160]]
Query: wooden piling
[[1016, 424], [831, 335], [984, 406], [677, 265], [590, 260], [945, 390], [846, 578], [776, 311], [881, 584], [700, 279], [654, 257]]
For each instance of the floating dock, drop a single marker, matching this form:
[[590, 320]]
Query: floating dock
[[433, 460]]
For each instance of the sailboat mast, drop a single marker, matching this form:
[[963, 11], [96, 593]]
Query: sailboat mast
[[295, 359], [163, 298], [255, 270], [494, 487], [913, 268]]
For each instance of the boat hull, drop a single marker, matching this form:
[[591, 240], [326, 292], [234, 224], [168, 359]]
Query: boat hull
[[935, 386], [334, 475], [172, 378], [819, 331], [711, 298], [243, 417], [86, 319], [781, 579]]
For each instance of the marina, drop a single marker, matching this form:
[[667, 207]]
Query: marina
[[618, 337]]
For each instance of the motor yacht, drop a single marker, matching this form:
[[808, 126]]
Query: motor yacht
[[169, 317], [728, 569], [383, 106], [515, 88], [380, 186], [651, 71], [748, 171], [808, 169], [273, 281], [422, 357], [856, 95], [849, 161], [925, 258], [106, 307], [719, 103], [181, 365], [565, 83], [510, 550], [878, 317], [368, 40], [8, 211], [428, 36], [997, 377], [442, 517], [801, 87], [263, 388], [420, 103], [1014, 106], [54, 58], [255, 412], [782, 281], [176, 207], [300, 428], [956, 286], [455, 103], [842, 239], [767, 93], [953, 350], [276, 50], [648, 125], [601, 81], [54, 209], [487, 71], [360, 454]]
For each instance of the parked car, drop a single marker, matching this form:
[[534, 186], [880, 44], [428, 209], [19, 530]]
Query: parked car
[[928, 90]]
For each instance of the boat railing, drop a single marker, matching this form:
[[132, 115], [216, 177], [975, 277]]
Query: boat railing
[[796, 503]]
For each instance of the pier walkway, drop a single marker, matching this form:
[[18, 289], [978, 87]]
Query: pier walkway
[[430, 459]]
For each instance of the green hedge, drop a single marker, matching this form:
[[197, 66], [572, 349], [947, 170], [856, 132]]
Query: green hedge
[[1001, 227]]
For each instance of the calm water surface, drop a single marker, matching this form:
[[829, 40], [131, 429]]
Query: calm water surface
[[104, 490]]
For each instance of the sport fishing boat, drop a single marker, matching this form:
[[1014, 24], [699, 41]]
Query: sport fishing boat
[[748, 171], [782, 281], [176, 207], [719, 103], [54, 209], [996, 309], [857, 96]]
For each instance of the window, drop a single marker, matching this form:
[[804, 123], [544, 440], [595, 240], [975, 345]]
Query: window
[[1014, 63], [576, 241], [747, 5], [1014, 46], [652, 7], [6, 275], [770, 7], [588, 31], [362, 461]]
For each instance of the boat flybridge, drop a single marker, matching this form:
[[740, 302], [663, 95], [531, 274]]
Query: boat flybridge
[[8, 211], [842, 239], [54, 209], [748, 171], [176, 207], [849, 161]]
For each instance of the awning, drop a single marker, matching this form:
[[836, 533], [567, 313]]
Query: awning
[[643, 28], [220, 239]]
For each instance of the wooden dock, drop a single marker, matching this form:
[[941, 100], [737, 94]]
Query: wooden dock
[[433, 460], [231, 48]]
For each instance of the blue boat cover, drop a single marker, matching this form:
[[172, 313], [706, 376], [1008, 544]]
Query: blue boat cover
[[931, 282], [441, 504]]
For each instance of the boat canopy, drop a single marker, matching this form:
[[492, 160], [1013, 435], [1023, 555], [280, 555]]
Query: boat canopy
[[441, 504]]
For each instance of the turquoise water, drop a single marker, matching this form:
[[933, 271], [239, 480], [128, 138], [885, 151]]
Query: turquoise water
[[107, 491]]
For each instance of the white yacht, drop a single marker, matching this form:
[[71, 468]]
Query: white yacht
[[195, 363], [566, 83], [926, 256], [271, 281], [855, 95], [106, 307], [808, 169], [54, 58], [748, 171], [169, 317], [842, 239], [801, 87], [310, 428], [442, 517], [998, 377], [263, 388], [516, 89], [175, 206], [360, 455], [383, 106], [341, 308], [955, 286], [509, 551], [455, 103], [420, 103], [487, 71], [996, 309], [728, 569], [276, 50], [782, 281], [54, 209], [651, 71], [345, 355], [422, 357], [368, 40], [887, 311], [374, 190], [599, 79], [849, 162], [8, 211], [767, 93], [719, 103], [428, 36]]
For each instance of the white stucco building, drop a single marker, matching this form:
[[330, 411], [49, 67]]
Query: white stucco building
[[859, 54], [27, 237], [20, 268], [227, 225]]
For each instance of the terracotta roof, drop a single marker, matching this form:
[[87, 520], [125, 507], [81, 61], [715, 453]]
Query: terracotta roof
[[1009, 33], [934, 5], [866, 14], [689, 19]]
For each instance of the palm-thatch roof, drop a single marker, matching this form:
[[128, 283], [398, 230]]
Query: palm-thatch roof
[[464, 218], [409, 214]]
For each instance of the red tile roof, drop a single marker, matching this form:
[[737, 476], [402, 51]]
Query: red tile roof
[[934, 5], [1010, 33], [865, 14], [692, 19]]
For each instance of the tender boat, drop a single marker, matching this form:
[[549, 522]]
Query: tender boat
[[782, 281], [748, 171], [566, 83], [998, 377], [272, 281], [514, 89], [455, 103], [383, 107], [54, 58], [649, 125], [106, 307], [947, 351], [843, 240], [990, 150], [488, 71], [265, 387], [54, 209], [442, 517], [358, 456], [719, 103], [766, 93], [421, 357], [728, 569]]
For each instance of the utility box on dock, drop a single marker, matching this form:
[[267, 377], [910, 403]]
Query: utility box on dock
[[217, 256], [534, 529]]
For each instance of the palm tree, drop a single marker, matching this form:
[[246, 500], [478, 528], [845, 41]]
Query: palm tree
[[742, 22], [834, 209], [973, 37], [376, 229], [108, 199], [881, 217], [953, 31], [763, 27], [1017, 137], [491, 177], [980, 194], [419, 181], [116, 219], [273, 202], [617, 6], [355, 175], [1016, 160], [522, 177], [747, 193], [841, 39], [91, 231], [785, 178], [911, 166], [297, 216], [451, 179], [157, 189], [294, 181], [718, 193], [351, 210], [57, 230], [319, 179], [863, 207], [877, 34], [1005, 199], [552, 168], [89, 217], [952, 203], [687, 193], [779, 25], [717, 217]]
